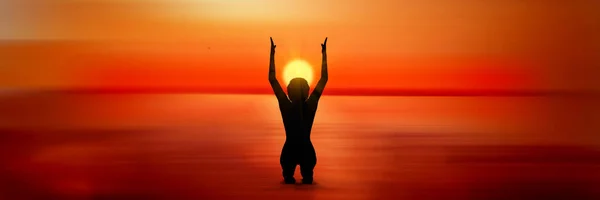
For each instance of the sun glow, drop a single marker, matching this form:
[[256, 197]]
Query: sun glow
[[298, 68]]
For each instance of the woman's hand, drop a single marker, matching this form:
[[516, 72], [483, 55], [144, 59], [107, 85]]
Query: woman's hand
[[323, 46], [272, 46]]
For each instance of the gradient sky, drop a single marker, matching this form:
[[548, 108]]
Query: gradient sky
[[376, 44]]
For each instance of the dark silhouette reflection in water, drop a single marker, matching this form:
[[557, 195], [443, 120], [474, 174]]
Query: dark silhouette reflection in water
[[298, 113]]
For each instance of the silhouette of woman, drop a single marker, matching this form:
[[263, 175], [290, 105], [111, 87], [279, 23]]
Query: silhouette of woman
[[298, 113]]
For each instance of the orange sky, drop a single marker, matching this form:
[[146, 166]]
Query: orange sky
[[377, 44]]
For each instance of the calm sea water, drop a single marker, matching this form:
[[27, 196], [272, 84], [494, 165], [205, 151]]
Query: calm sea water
[[188, 146]]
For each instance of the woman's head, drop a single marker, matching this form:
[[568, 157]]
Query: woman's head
[[298, 90]]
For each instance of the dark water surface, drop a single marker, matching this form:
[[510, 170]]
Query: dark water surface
[[116, 146]]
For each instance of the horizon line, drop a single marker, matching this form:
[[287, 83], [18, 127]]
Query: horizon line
[[328, 91]]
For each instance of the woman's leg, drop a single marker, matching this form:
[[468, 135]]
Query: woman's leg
[[307, 165], [288, 167]]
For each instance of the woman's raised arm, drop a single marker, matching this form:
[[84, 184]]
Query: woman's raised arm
[[279, 93], [316, 94]]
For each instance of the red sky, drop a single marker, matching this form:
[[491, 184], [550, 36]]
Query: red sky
[[209, 45]]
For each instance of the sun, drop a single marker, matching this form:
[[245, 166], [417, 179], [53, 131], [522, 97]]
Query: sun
[[298, 68]]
